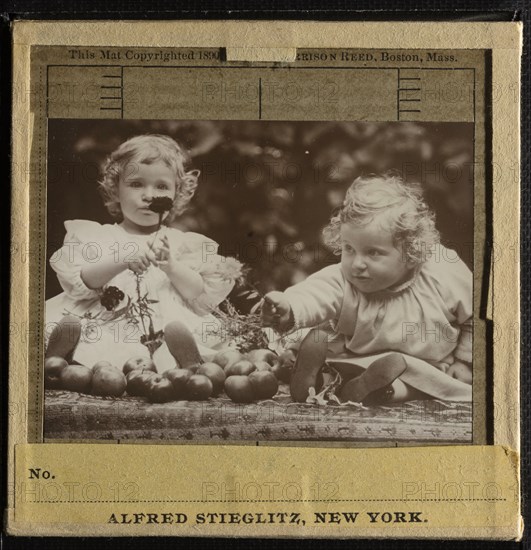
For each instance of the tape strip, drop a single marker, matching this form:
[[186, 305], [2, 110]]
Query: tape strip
[[287, 55]]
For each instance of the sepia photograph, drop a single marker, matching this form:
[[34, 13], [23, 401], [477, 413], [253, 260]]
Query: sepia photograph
[[259, 280]]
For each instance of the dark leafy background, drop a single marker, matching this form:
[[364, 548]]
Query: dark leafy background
[[267, 188]]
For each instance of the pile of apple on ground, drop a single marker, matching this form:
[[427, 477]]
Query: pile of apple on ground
[[243, 377]]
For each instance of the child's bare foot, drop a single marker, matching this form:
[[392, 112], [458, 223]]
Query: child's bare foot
[[374, 385], [460, 371], [310, 360], [182, 346], [64, 338]]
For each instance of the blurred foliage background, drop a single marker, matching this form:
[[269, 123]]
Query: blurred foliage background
[[267, 188]]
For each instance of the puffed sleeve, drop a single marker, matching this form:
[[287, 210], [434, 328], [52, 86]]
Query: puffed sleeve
[[318, 298], [80, 248], [455, 283], [219, 273]]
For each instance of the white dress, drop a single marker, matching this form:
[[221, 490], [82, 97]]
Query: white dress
[[107, 336]]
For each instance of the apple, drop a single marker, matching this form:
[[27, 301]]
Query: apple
[[282, 373], [216, 375], [178, 377], [52, 369], [239, 389], [227, 357], [102, 365], [287, 358], [160, 390], [76, 378], [192, 367], [139, 362], [266, 355], [262, 366], [199, 387], [242, 367], [264, 383], [108, 381], [284, 369], [138, 382]]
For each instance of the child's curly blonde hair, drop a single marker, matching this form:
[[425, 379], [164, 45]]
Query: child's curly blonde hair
[[147, 149], [398, 206]]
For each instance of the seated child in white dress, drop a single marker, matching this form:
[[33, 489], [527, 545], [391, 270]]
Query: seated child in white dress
[[137, 280], [394, 317]]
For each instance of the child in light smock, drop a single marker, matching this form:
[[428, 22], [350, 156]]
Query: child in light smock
[[394, 317], [138, 287]]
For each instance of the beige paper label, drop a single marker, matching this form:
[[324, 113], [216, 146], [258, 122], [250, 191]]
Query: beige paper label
[[256, 491]]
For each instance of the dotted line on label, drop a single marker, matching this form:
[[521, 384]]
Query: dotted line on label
[[267, 501]]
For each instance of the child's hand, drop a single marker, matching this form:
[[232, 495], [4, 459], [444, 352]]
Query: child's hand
[[166, 260], [460, 371], [276, 311], [146, 255], [186, 281]]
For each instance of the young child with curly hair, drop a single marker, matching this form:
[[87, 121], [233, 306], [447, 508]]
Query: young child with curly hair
[[103, 269], [394, 317]]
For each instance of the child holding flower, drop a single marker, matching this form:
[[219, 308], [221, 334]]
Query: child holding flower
[[139, 287], [394, 317]]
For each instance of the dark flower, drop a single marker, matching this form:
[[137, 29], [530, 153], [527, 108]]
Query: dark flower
[[111, 297], [161, 205]]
